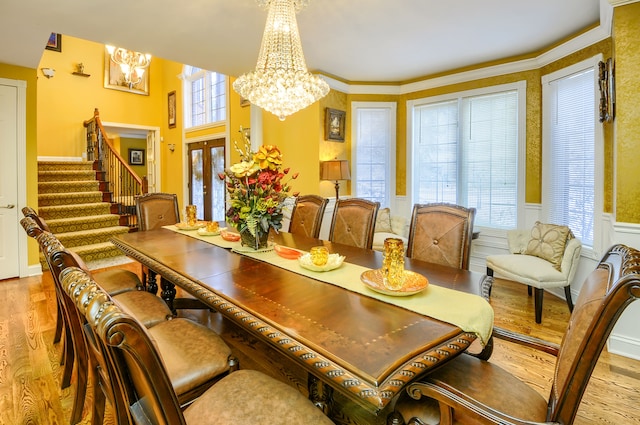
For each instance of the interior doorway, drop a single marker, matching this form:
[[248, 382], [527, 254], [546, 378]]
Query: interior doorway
[[206, 190]]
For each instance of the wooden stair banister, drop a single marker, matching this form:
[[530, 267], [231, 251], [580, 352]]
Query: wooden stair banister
[[123, 183]]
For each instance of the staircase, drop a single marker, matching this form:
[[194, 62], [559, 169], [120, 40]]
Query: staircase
[[72, 201]]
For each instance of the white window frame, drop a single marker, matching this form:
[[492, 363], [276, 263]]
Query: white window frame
[[595, 251], [521, 88], [390, 108], [187, 79]]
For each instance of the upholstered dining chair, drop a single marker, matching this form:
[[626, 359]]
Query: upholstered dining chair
[[544, 257], [441, 233], [243, 396], [353, 222], [306, 216], [470, 389], [153, 211]]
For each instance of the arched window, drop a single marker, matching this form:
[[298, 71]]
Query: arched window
[[205, 97]]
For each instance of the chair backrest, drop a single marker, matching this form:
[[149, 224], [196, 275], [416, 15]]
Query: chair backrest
[[31, 213], [607, 291], [129, 350], [306, 216], [353, 222], [441, 233], [155, 210]]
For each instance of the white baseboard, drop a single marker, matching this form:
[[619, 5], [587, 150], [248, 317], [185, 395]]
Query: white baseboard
[[34, 270], [624, 346]]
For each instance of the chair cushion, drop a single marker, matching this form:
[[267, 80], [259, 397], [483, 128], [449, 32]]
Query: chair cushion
[[527, 269], [191, 352], [547, 242], [251, 397], [383, 221], [117, 281], [149, 309]]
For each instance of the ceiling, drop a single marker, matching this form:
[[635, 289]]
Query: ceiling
[[353, 40]]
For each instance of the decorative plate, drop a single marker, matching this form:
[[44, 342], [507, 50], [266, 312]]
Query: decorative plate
[[286, 252], [203, 231], [334, 261], [185, 226], [413, 283], [229, 236]]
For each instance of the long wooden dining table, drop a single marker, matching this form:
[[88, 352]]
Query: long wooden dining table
[[351, 343]]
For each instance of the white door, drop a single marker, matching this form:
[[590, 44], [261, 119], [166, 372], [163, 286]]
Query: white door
[[9, 259]]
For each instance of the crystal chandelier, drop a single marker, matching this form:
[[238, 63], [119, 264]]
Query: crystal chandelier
[[281, 83], [131, 63]]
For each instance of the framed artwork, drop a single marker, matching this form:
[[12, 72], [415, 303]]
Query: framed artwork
[[172, 109], [334, 122], [136, 156], [55, 42], [114, 78]]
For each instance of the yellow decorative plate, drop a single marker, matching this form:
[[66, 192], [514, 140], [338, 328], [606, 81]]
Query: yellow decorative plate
[[412, 283], [202, 231], [334, 261], [185, 226]]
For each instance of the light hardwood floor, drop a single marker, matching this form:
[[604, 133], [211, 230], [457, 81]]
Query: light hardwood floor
[[30, 370]]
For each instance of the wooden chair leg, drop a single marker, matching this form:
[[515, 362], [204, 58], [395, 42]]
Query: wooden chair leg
[[67, 360], [489, 282], [567, 294], [529, 290], [538, 303], [59, 325]]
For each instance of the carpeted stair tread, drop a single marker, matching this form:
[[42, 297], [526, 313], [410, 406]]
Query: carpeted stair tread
[[89, 222], [63, 187], [66, 175], [64, 165], [90, 237], [75, 210], [48, 199], [93, 252]]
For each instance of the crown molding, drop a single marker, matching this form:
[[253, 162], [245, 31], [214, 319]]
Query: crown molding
[[583, 40], [616, 3]]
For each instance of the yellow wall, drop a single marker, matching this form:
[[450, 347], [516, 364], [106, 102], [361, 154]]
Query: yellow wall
[[627, 120], [29, 76]]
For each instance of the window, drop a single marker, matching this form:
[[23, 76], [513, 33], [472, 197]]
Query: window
[[466, 149], [373, 154], [571, 143], [205, 97]]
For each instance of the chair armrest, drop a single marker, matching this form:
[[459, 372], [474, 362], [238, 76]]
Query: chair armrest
[[527, 341]]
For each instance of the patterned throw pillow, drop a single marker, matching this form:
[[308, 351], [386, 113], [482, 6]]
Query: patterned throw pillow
[[383, 221], [548, 242]]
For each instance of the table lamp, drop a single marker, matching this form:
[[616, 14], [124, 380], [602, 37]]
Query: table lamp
[[336, 169]]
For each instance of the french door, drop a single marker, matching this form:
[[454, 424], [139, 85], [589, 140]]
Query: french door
[[206, 190]]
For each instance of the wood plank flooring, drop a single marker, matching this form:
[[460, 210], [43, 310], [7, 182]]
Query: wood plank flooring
[[30, 371]]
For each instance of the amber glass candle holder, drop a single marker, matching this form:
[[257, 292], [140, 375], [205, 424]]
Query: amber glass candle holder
[[191, 213], [319, 255], [393, 263]]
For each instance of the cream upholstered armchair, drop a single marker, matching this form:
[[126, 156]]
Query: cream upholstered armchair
[[544, 257]]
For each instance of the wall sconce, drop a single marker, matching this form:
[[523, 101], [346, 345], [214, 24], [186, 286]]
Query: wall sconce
[[172, 147], [48, 72], [337, 169]]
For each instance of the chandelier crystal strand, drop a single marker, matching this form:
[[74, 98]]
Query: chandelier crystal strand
[[281, 83]]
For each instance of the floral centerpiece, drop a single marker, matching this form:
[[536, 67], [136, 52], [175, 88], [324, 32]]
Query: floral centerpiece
[[257, 189]]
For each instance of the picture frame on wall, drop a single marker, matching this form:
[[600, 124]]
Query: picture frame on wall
[[171, 101], [55, 42], [136, 156], [334, 125], [114, 78]]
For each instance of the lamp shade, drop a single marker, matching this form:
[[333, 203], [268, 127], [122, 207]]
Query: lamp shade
[[337, 169]]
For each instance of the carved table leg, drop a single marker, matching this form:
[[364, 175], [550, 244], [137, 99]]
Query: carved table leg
[[168, 293], [152, 285], [320, 394]]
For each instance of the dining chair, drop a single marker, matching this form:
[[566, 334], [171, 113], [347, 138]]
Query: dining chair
[[468, 388], [243, 396], [441, 233], [545, 257], [306, 216], [154, 210], [353, 222]]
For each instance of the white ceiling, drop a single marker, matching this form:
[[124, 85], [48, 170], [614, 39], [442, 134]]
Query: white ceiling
[[354, 40]]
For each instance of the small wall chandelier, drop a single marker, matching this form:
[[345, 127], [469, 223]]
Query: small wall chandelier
[[132, 64], [281, 83]]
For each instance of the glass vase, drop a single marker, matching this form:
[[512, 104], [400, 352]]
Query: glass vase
[[257, 242]]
